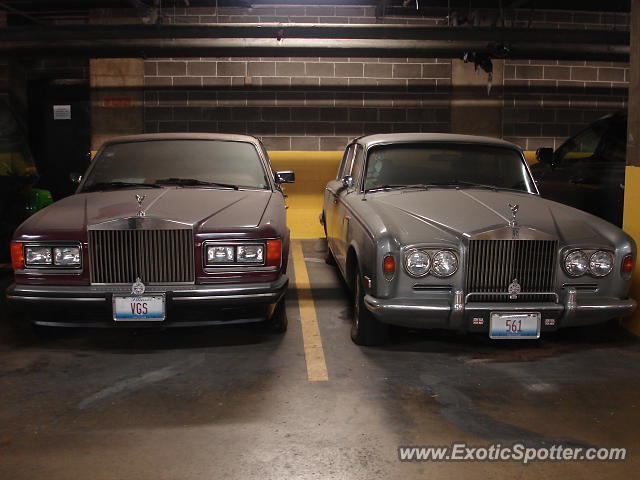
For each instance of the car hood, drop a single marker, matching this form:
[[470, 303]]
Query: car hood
[[454, 214], [204, 208]]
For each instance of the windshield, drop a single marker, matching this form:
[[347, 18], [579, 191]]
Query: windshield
[[186, 163], [446, 165]]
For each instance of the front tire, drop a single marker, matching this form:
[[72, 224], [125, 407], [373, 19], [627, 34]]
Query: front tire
[[278, 322], [365, 328]]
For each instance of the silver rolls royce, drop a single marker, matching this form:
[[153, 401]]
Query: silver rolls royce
[[448, 231]]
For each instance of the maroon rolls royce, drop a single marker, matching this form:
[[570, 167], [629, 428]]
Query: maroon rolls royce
[[164, 229]]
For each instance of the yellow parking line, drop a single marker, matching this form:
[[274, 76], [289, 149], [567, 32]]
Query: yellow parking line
[[313, 352]]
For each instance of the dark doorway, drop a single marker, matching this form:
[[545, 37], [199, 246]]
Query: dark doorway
[[59, 132]]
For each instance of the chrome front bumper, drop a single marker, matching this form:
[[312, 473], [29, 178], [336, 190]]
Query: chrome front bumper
[[95, 300], [454, 314]]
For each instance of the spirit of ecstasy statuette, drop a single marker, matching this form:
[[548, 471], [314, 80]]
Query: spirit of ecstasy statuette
[[514, 221], [140, 199]]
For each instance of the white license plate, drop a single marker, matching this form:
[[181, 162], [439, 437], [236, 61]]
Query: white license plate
[[514, 325], [139, 309]]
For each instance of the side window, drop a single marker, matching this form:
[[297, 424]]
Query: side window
[[614, 144], [581, 146], [358, 162], [345, 164]]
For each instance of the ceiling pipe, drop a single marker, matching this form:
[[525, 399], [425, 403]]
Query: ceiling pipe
[[291, 40]]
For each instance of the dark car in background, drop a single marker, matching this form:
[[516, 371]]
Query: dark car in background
[[587, 170], [161, 225]]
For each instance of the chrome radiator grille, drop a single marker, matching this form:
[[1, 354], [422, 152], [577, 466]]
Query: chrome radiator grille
[[156, 256], [493, 264]]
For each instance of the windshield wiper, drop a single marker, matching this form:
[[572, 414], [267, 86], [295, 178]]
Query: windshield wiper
[[116, 185], [425, 186], [451, 184], [193, 182], [462, 183], [389, 187]]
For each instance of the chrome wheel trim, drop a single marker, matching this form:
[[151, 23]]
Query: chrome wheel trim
[[356, 308]]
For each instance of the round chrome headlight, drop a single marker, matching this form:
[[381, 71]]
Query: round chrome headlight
[[576, 263], [601, 263], [445, 263], [417, 263]]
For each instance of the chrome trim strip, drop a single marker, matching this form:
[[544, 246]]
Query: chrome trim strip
[[583, 287], [140, 223], [21, 298], [420, 287], [226, 297], [507, 294], [506, 233]]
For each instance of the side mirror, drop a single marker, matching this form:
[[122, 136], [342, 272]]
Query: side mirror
[[347, 182], [545, 155], [286, 176], [75, 178]]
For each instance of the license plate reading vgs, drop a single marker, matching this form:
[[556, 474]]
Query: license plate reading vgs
[[139, 309], [514, 325]]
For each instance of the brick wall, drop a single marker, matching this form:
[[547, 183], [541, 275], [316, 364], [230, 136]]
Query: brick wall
[[320, 103]]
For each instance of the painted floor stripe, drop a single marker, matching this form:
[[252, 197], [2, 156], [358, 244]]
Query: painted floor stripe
[[313, 352]]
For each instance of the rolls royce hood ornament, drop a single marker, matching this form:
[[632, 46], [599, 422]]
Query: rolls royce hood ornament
[[514, 213], [140, 199], [514, 221]]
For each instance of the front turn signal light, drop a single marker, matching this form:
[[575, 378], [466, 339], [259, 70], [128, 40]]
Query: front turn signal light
[[274, 253], [17, 256], [389, 266], [627, 264]]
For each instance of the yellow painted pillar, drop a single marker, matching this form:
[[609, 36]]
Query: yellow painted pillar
[[632, 227], [632, 181]]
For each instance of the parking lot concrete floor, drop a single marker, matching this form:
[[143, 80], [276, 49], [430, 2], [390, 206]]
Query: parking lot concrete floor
[[234, 402]]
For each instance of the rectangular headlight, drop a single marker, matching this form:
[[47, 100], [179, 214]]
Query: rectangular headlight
[[220, 254], [66, 256], [250, 253], [37, 256]]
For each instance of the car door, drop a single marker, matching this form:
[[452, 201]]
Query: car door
[[604, 172], [343, 213], [331, 198], [566, 180]]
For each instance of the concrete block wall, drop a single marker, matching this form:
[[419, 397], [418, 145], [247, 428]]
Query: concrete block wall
[[547, 101], [298, 103], [319, 103], [311, 103]]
